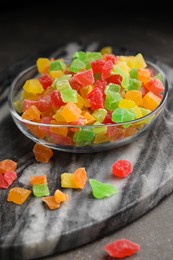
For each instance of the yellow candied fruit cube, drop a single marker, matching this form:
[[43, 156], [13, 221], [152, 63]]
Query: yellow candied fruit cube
[[137, 61], [67, 181], [58, 130], [145, 112], [80, 101], [58, 117], [84, 91], [33, 86], [134, 95], [125, 103], [106, 50], [101, 139], [43, 65], [123, 66], [31, 96], [89, 119], [151, 101], [18, 195], [70, 112], [56, 74]]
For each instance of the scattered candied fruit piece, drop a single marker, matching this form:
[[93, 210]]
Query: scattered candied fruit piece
[[51, 202], [42, 153], [40, 190], [39, 179], [79, 177], [122, 168], [60, 196], [7, 165], [67, 181], [122, 248], [18, 195]]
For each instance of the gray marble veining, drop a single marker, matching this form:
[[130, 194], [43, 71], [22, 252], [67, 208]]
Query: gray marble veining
[[31, 230]]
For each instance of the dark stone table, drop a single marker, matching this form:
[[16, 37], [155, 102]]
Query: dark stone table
[[24, 39]]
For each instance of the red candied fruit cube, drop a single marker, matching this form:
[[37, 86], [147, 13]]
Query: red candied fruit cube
[[97, 66], [111, 57], [122, 168], [95, 98], [45, 120], [155, 85], [101, 84], [74, 84], [106, 70], [60, 139], [84, 78], [108, 118], [115, 78], [45, 80], [122, 248], [44, 103], [28, 103], [56, 99], [3, 183], [7, 179]]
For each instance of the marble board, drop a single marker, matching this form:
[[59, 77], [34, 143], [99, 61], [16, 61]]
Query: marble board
[[31, 230]]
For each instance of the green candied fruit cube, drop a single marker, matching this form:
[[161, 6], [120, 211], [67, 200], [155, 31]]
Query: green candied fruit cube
[[18, 105], [134, 73], [81, 55], [76, 65], [160, 77], [59, 80], [121, 115], [125, 78], [112, 88], [83, 137], [57, 65], [62, 84], [99, 114], [92, 56], [134, 84], [68, 95], [40, 190], [144, 113], [112, 100], [100, 130]]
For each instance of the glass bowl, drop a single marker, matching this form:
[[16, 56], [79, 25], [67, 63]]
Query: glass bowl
[[95, 138]]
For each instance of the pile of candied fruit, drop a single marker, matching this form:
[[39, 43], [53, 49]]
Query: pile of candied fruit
[[94, 89]]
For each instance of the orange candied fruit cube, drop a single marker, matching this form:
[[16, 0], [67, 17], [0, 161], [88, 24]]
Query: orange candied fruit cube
[[43, 65], [58, 130], [35, 130], [134, 95], [42, 153], [70, 112], [80, 177], [7, 165], [39, 179], [51, 202], [18, 195], [151, 101], [32, 114], [60, 196]]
